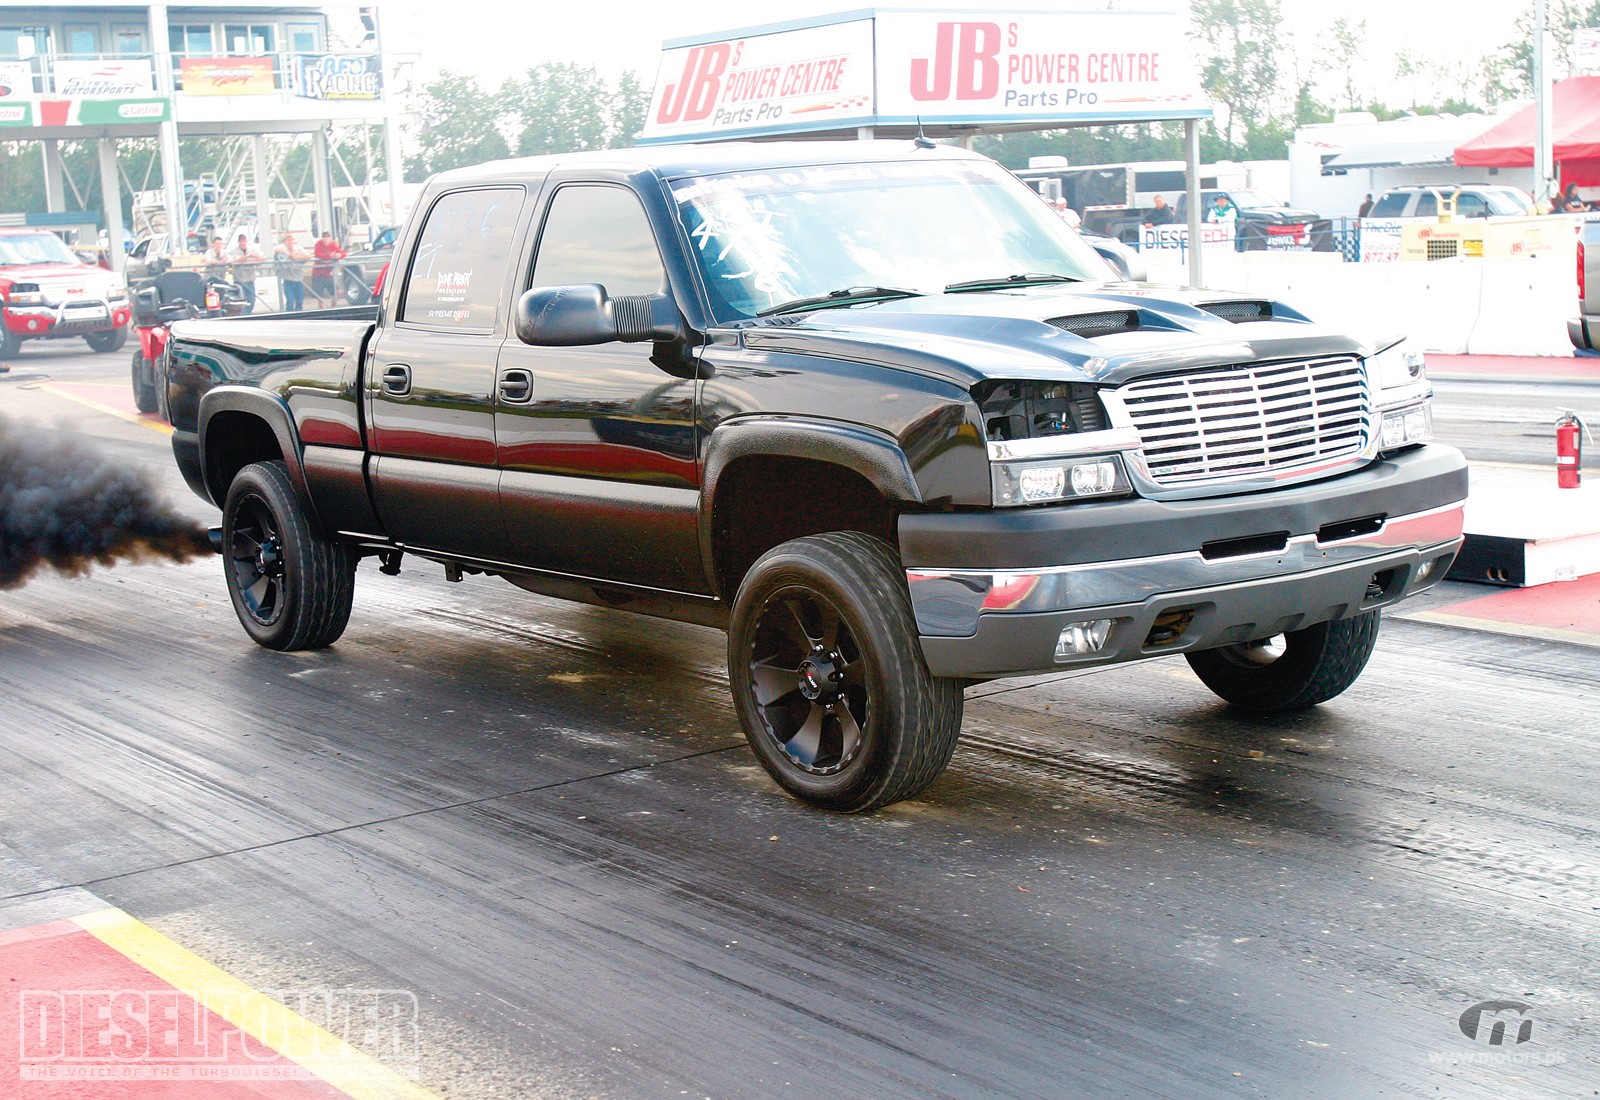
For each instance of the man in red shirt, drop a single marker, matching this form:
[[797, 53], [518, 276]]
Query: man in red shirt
[[326, 252]]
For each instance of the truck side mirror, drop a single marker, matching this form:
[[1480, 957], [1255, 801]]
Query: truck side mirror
[[572, 316]]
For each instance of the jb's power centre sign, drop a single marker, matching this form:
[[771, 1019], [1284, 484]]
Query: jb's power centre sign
[[942, 68]]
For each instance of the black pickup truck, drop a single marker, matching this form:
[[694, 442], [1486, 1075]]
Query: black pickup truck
[[872, 408]]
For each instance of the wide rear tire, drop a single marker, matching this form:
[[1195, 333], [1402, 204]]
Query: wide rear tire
[[828, 678], [1292, 671], [292, 588], [110, 340]]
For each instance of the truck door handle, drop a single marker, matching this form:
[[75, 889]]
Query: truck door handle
[[516, 387], [397, 379]]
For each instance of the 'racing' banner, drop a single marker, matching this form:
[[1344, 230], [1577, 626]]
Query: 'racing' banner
[[337, 76]]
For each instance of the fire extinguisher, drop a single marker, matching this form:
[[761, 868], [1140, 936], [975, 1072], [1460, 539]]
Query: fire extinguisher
[[1570, 430]]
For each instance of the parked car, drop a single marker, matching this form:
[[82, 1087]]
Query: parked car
[[47, 293], [1584, 329], [358, 272], [1473, 200]]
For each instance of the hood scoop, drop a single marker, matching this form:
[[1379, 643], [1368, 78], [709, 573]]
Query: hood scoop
[[1240, 312], [1092, 326]]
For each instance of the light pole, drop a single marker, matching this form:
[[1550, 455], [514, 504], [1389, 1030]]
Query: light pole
[[1543, 95]]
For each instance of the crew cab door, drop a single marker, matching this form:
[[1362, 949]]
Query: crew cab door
[[597, 444], [431, 378]]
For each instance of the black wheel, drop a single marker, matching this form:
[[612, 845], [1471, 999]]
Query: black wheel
[[112, 340], [828, 679], [291, 587], [1292, 671], [144, 383], [356, 292]]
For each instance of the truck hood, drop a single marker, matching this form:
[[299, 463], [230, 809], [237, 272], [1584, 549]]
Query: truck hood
[[62, 279], [1103, 333], [1279, 215]]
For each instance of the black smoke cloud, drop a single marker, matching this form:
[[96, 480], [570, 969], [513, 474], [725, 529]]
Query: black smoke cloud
[[67, 507]]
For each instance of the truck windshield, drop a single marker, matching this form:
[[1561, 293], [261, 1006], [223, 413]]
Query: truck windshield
[[762, 239], [35, 248], [1252, 200]]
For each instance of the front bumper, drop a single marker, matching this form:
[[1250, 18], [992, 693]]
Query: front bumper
[[68, 319], [1209, 572]]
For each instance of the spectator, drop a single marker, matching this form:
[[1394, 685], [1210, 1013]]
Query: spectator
[[1160, 213], [246, 259], [1222, 209], [322, 285], [1571, 201], [216, 260], [289, 262], [1366, 207]]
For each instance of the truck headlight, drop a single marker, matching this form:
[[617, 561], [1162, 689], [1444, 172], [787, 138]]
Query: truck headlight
[[1061, 479], [117, 294], [26, 294], [1398, 373]]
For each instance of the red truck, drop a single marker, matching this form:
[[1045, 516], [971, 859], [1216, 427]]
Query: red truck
[[47, 293]]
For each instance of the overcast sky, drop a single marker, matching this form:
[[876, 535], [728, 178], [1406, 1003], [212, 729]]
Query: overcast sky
[[493, 39]]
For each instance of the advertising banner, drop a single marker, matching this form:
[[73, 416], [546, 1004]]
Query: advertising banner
[[128, 76], [330, 76], [1170, 243], [16, 80], [1017, 66], [1380, 239], [1311, 236], [227, 76], [102, 112], [814, 76], [16, 113]]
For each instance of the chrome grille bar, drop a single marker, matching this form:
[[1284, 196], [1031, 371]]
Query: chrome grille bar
[[1242, 421]]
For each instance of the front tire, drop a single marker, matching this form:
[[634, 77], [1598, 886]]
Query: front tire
[[292, 588], [144, 383], [356, 291], [110, 340], [828, 679], [1292, 671]]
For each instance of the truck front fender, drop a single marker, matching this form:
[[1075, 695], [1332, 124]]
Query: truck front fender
[[874, 455]]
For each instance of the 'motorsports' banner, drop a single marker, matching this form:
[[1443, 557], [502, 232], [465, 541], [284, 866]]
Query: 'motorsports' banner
[[127, 76], [337, 76]]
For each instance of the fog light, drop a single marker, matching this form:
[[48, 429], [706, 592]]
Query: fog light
[[1081, 639]]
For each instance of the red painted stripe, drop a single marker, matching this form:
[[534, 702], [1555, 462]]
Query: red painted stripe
[[1565, 605], [72, 1005]]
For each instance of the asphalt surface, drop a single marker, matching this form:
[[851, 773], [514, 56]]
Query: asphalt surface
[[541, 820]]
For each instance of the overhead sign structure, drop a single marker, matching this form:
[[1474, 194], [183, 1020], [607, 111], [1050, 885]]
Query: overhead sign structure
[[943, 70]]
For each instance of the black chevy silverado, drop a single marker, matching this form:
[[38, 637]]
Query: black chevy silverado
[[872, 408]]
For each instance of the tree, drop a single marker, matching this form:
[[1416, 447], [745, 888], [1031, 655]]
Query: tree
[[1240, 43], [459, 125], [1346, 45], [1508, 73], [557, 107], [629, 106]]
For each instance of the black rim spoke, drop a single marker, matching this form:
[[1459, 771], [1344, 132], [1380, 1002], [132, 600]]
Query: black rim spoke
[[773, 681], [807, 740]]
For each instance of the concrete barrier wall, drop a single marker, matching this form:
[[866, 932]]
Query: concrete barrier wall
[[1486, 307]]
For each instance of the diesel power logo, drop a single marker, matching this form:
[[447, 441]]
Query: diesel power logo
[[1492, 1022]]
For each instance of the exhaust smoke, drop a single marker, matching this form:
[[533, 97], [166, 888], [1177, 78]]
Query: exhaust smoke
[[64, 506]]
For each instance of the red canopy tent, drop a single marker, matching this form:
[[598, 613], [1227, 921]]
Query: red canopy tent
[[1575, 133]]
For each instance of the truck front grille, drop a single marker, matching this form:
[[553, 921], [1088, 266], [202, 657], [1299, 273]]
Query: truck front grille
[[1239, 422]]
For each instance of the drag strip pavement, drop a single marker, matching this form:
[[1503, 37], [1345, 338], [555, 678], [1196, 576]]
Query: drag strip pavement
[[540, 820]]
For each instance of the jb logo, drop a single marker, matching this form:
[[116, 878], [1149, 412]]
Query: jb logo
[[966, 61]]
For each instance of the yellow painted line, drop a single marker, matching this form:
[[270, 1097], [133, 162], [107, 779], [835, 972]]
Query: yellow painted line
[[1496, 626], [319, 1051], [154, 425]]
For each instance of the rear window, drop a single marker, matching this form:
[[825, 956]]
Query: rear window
[[1391, 204]]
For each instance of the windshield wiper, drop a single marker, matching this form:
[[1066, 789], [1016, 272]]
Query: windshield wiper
[[848, 296], [1000, 282]]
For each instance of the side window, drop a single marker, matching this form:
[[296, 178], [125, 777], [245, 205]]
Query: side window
[[1471, 206], [1427, 205], [598, 234], [463, 255]]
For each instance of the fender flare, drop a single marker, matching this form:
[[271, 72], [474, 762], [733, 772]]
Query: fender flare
[[869, 452], [273, 411]]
